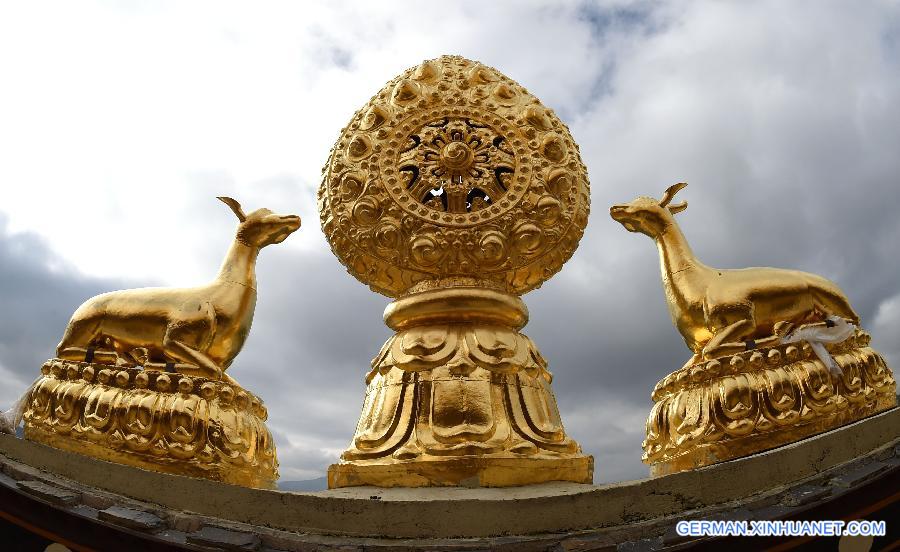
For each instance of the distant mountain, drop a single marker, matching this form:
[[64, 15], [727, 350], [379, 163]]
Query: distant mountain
[[20, 432], [317, 484]]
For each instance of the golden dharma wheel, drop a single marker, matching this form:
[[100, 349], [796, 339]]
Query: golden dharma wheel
[[454, 174]]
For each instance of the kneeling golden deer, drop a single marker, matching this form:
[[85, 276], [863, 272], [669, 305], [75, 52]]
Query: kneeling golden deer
[[719, 311], [203, 327]]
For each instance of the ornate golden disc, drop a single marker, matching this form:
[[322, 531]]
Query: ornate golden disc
[[454, 172]]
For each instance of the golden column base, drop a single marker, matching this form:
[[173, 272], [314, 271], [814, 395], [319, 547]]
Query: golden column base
[[758, 400], [459, 397], [164, 422]]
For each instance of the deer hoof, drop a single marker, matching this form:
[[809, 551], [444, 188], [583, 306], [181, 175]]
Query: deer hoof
[[783, 328]]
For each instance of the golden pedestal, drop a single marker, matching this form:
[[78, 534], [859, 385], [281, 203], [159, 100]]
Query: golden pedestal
[[754, 401], [459, 397], [159, 421]]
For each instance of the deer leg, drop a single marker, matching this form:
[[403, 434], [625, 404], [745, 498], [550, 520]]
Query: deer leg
[[229, 380], [697, 357], [834, 304], [727, 340], [79, 335], [179, 350]]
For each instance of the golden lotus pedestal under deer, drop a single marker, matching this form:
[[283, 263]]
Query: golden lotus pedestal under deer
[[155, 420], [454, 191], [749, 402]]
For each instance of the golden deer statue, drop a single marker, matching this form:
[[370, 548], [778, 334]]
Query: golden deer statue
[[201, 328], [778, 354], [721, 312]]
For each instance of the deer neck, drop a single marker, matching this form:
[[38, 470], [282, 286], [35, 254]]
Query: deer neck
[[676, 260], [239, 266]]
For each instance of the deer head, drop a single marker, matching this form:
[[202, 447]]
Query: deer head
[[648, 215], [262, 227]]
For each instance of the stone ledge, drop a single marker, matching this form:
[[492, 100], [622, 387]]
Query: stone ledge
[[225, 539], [630, 534], [444, 513], [48, 493], [132, 519]]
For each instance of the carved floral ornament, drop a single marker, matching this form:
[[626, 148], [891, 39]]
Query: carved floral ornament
[[453, 170]]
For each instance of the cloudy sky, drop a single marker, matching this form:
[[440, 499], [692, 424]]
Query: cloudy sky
[[120, 122]]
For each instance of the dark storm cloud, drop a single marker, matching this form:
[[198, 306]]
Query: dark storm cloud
[[38, 294]]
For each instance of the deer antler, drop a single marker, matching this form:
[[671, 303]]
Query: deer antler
[[235, 206], [670, 193]]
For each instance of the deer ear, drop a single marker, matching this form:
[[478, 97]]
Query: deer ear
[[235, 206], [677, 208]]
